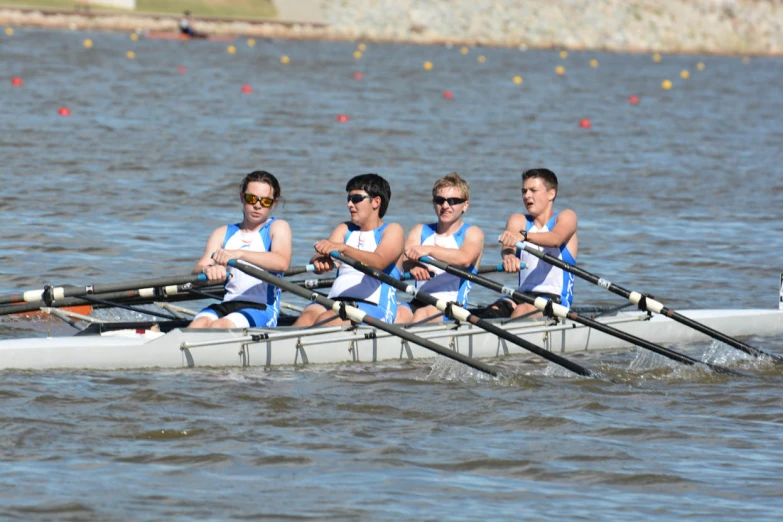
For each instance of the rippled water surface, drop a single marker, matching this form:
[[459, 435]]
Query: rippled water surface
[[679, 196]]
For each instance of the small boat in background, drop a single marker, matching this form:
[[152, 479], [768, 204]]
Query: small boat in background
[[174, 35]]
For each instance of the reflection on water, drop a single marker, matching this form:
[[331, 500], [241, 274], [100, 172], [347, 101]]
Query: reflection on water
[[678, 196]]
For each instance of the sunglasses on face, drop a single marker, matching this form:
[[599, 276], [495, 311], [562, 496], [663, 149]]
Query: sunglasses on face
[[440, 200], [357, 198], [252, 199]]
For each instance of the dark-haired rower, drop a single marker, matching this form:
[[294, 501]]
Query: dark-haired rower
[[367, 239], [544, 229]]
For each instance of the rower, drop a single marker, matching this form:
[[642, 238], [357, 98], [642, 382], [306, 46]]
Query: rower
[[259, 239], [552, 232], [367, 239], [186, 26], [449, 240]]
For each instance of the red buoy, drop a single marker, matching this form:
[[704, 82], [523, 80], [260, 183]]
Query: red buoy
[[181, 69], [342, 118], [357, 75], [448, 95], [16, 81], [633, 99], [585, 123], [247, 89], [64, 111]]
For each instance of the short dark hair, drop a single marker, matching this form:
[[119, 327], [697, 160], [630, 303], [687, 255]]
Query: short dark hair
[[375, 186], [545, 175], [262, 176]]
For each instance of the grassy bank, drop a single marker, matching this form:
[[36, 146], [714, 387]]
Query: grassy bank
[[207, 8]]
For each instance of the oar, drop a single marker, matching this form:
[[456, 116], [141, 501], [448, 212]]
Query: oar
[[49, 294], [647, 303], [483, 269], [358, 316], [554, 309], [463, 315], [294, 270]]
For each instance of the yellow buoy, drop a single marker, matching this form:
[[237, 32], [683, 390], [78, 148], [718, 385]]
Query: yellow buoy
[[427, 66], [481, 58], [563, 55], [88, 43], [593, 63], [362, 47], [666, 84], [657, 58], [685, 74], [134, 37], [357, 54], [131, 55], [560, 70], [700, 66], [518, 80], [284, 59], [9, 31], [251, 42], [464, 50], [231, 49]]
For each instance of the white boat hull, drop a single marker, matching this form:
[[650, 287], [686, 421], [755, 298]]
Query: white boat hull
[[288, 346]]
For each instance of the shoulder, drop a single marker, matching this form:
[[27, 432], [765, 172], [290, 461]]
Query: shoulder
[[516, 217], [566, 215], [279, 226], [416, 230], [474, 232], [393, 229]]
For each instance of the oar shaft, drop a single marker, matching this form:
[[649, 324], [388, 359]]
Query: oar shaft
[[463, 315], [295, 270], [646, 303], [359, 316], [563, 312]]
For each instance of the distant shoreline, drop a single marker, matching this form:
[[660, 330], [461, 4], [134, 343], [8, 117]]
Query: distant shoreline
[[420, 28]]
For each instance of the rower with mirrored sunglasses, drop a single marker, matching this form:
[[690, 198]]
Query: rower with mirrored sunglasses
[[451, 241], [259, 239], [367, 239]]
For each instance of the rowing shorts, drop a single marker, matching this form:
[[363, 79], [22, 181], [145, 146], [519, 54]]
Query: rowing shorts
[[244, 314]]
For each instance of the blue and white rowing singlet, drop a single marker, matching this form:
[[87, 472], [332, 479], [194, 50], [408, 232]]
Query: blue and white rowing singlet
[[541, 277], [444, 285], [243, 287], [352, 284]]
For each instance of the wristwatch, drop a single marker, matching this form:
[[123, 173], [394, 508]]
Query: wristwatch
[[524, 234]]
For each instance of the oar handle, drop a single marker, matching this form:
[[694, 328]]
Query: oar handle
[[294, 270]]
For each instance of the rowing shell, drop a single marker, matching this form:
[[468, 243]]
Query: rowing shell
[[147, 348], [181, 36]]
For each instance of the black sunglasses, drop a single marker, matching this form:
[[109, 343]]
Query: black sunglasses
[[357, 198], [440, 200]]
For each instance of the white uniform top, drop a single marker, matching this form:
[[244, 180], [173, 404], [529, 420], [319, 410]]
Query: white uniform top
[[183, 23], [352, 284], [241, 286], [541, 277], [444, 285]]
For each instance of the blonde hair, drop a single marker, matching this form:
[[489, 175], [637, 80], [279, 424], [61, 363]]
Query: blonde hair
[[452, 180]]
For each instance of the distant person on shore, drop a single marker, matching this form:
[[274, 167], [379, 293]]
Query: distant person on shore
[[186, 26], [544, 229], [259, 239], [367, 239], [451, 241]]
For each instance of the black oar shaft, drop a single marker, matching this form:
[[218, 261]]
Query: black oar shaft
[[647, 303], [359, 316], [565, 313], [464, 315]]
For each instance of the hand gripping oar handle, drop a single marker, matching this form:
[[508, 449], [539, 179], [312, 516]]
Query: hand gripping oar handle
[[358, 316], [50, 294], [464, 315], [553, 309], [294, 270], [647, 303]]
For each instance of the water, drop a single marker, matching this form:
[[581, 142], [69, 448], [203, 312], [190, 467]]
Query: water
[[679, 196]]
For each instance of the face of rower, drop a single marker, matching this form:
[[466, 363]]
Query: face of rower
[[536, 197], [448, 214], [256, 213], [363, 210]]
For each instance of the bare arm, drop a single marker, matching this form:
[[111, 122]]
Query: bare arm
[[468, 254], [214, 242], [387, 252]]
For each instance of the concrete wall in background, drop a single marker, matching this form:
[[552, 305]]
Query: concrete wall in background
[[300, 11]]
